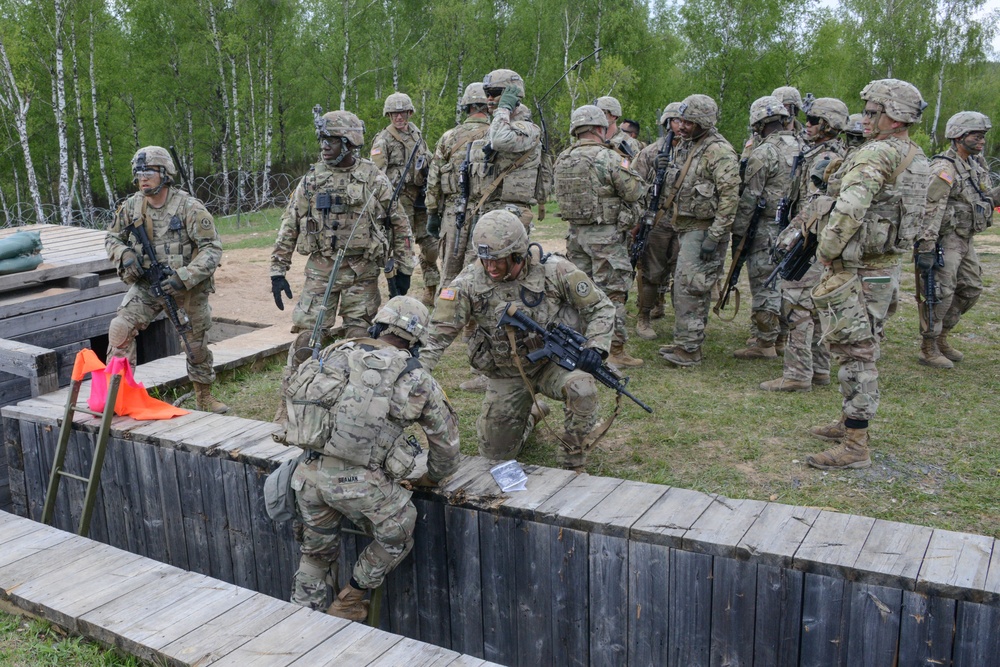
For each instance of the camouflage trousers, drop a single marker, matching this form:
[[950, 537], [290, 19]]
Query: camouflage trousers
[[327, 491], [355, 296], [853, 309], [503, 426], [658, 264], [600, 251], [140, 307], [806, 354], [693, 282], [959, 282], [428, 244], [766, 304], [452, 263]]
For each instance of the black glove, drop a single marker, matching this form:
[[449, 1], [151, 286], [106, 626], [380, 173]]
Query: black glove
[[708, 248], [172, 285], [434, 224], [508, 100], [279, 285], [662, 162], [131, 267], [402, 282], [590, 360], [925, 261]]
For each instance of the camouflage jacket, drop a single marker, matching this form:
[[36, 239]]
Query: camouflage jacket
[[551, 291], [879, 202], [306, 229], [513, 150], [624, 145], [816, 158], [709, 194], [645, 166], [768, 174], [960, 198], [594, 185], [182, 232], [450, 152], [390, 151]]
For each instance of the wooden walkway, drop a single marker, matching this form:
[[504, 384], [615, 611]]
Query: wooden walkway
[[66, 251], [166, 615]]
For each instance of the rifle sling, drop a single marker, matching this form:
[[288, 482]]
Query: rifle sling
[[674, 190], [491, 188]]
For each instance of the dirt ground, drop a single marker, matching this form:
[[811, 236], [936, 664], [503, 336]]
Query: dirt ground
[[243, 288]]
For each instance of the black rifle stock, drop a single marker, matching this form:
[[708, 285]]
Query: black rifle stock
[[390, 265], [563, 345], [652, 210], [783, 213], [796, 261], [740, 255], [928, 285], [462, 205]]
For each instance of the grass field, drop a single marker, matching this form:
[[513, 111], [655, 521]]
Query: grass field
[[935, 444], [26, 642]]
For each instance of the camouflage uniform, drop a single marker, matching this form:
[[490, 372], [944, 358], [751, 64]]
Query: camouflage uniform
[[594, 187], [625, 145], [443, 190], [183, 233], [329, 488]]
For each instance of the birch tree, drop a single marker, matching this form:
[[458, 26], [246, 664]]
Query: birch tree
[[19, 103]]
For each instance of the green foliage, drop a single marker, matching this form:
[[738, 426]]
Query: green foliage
[[26, 642]]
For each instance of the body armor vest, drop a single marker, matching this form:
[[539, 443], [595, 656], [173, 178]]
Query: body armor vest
[[969, 211], [166, 230], [697, 196], [336, 197], [583, 198], [398, 152], [518, 185], [465, 134]]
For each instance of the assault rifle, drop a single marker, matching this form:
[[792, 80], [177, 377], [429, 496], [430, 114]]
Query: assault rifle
[[563, 345], [796, 261], [927, 284], [638, 246], [783, 214], [390, 266], [180, 170], [740, 255], [462, 205]]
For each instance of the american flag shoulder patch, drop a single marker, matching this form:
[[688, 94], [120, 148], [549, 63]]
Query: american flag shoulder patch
[[946, 177], [447, 294]]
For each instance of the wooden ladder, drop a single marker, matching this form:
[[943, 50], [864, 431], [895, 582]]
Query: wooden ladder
[[66, 428]]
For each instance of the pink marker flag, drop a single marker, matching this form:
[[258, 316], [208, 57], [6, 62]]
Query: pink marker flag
[[133, 399]]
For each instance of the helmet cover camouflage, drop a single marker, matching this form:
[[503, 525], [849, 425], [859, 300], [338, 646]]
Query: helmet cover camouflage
[[474, 94], [670, 112], [154, 156], [342, 124], [397, 102], [505, 78], [788, 95], [700, 109], [609, 104], [964, 122], [499, 234], [855, 125], [832, 110], [767, 108], [405, 317], [901, 99], [587, 116]]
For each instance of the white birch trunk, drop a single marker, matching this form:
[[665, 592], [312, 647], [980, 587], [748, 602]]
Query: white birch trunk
[[597, 34], [347, 52], [11, 97], [240, 161], [86, 196], [268, 117], [224, 139], [97, 126], [59, 103]]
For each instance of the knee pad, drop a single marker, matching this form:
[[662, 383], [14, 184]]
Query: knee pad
[[581, 394], [120, 333]]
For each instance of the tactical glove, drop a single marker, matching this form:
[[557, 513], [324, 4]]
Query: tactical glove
[[508, 100], [925, 261], [662, 162], [434, 224], [279, 285], [708, 248], [590, 360], [172, 285], [402, 283], [131, 267]]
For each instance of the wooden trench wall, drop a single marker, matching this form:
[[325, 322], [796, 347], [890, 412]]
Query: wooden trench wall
[[577, 570]]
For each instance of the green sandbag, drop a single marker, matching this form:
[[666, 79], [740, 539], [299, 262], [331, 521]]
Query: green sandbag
[[21, 243], [19, 264]]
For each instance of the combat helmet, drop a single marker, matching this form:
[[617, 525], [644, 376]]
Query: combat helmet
[[342, 124], [397, 102], [585, 116], [499, 234], [671, 111], [902, 100], [855, 125], [153, 157], [504, 78], [609, 104], [700, 109], [405, 317], [766, 109], [964, 122], [788, 95], [474, 94], [832, 110]]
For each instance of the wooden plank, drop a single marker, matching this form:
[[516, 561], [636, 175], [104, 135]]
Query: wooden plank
[[357, 644], [234, 442], [72, 331], [956, 565], [42, 298], [532, 565], [892, 554], [213, 493], [194, 512], [824, 631], [690, 608], [265, 547], [569, 559], [776, 535], [83, 281], [124, 456], [153, 525], [649, 595], [35, 477], [497, 559], [173, 517], [734, 600], [284, 641], [616, 513], [722, 525], [26, 541], [469, 469], [239, 524], [465, 584], [412, 653], [38, 364], [14, 462], [992, 587], [404, 586], [927, 629], [568, 506], [778, 616], [223, 430], [13, 527], [225, 632], [832, 545], [112, 495], [608, 584], [32, 323], [977, 639], [670, 517], [873, 628], [542, 484], [434, 611]]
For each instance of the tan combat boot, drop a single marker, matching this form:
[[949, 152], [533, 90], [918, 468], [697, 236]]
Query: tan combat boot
[[620, 358], [539, 411], [786, 384], [206, 402], [852, 452], [834, 432], [821, 379], [429, 293], [644, 328], [756, 350], [350, 604], [476, 385], [931, 356], [660, 309], [779, 344], [946, 349], [678, 356]]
